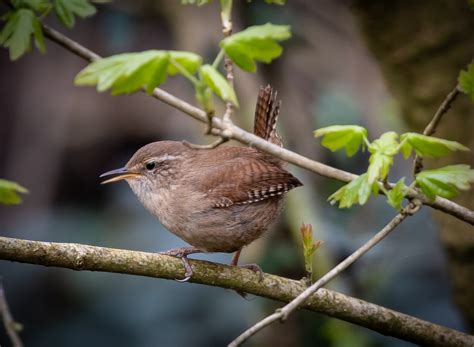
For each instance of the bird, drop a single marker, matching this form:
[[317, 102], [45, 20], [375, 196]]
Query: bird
[[217, 200]]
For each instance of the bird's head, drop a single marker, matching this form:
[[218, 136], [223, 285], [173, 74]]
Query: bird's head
[[152, 167]]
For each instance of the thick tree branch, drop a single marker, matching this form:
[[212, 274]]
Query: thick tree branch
[[229, 130], [282, 314], [83, 257]]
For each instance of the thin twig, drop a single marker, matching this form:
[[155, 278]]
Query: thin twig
[[334, 304], [282, 314], [431, 127], [11, 326], [229, 110], [69, 44], [212, 145], [226, 18], [228, 65], [250, 139]]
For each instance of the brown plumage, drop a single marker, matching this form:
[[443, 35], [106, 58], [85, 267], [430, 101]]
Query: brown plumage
[[217, 200]]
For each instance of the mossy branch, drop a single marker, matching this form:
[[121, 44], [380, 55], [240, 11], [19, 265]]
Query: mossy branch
[[82, 257]]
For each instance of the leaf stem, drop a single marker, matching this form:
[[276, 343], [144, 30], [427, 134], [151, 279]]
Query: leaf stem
[[226, 10], [218, 59], [366, 140], [45, 13], [185, 73], [401, 145]]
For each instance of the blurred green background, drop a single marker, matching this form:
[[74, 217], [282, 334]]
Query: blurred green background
[[55, 139]]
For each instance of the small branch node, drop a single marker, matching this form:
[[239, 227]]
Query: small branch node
[[412, 207], [283, 315]]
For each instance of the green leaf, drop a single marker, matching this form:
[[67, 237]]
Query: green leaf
[[9, 192], [405, 148], [356, 191], [16, 34], [445, 181], [35, 5], [218, 84], [387, 144], [396, 194], [256, 43], [428, 146], [204, 97], [466, 81], [379, 166], [350, 137], [39, 38], [240, 56], [309, 246], [67, 9], [383, 149], [276, 2], [189, 61], [127, 72]]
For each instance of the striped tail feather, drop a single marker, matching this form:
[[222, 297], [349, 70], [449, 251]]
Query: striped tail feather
[[266, 115]]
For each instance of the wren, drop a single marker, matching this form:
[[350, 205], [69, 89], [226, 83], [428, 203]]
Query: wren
[[217, 200]]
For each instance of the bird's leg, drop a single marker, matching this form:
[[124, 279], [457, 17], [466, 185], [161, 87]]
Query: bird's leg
[[254, 267], [183, 253], [235, 258]]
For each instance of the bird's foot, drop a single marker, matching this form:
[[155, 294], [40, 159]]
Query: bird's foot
[[183, 253]]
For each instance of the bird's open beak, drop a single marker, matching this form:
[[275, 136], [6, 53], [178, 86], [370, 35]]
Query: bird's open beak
[[121, 174]]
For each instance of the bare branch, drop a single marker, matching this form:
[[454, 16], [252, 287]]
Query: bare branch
[[431, 127], [69, 44], [229, 130], [83, 257], [282, 314], [12, 328]]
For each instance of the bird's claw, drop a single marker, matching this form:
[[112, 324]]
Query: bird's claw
[[189, 269], [182, 253], [185, 279]]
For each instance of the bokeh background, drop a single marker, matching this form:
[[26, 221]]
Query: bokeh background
[[383, 65]]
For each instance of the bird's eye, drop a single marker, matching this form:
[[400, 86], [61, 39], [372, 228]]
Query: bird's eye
[[150, 165]]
